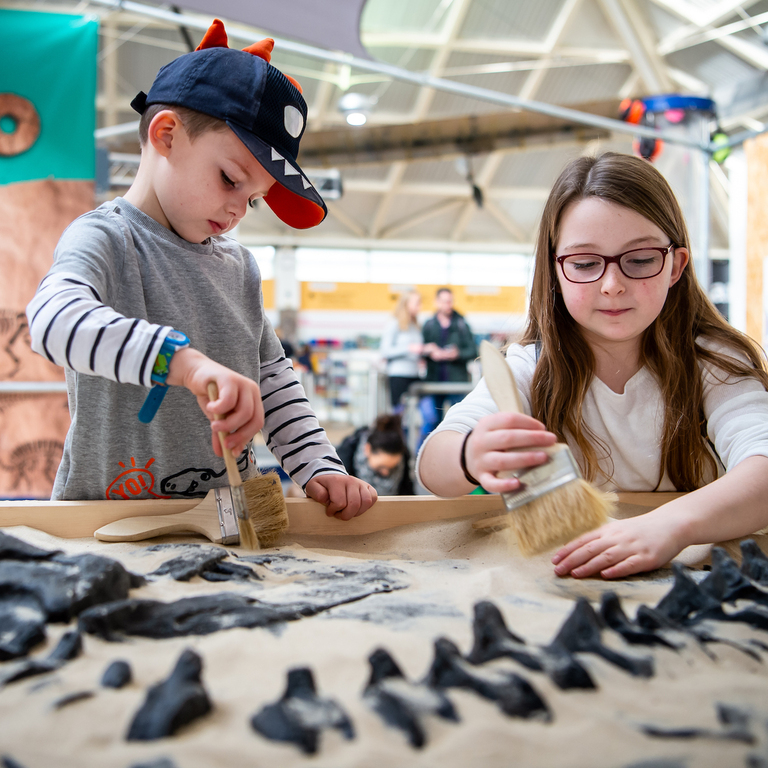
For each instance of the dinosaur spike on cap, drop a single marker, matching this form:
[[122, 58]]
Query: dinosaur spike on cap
[[263, 107], [215, 37], [262, 49]]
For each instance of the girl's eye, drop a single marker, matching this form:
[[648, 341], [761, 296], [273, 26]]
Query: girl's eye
[[227, 180], [253, 202]]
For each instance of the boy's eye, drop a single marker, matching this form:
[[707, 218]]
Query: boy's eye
[[227, 180], [253, 202]]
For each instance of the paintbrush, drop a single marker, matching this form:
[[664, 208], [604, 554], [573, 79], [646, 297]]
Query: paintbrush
[[555, 503], [259, 503]]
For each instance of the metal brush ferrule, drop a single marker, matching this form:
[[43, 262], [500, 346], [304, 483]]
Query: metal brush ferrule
[[225, 506], [536, 481]]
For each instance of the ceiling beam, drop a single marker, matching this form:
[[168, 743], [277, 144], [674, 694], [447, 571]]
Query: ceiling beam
[[451, 31], [536, 78], [340, 146], [337, 213], [395, 176], [625, 18], [420, 217], [483, 179]]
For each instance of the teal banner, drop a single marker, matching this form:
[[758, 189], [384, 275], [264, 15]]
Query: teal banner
[[47, 96]]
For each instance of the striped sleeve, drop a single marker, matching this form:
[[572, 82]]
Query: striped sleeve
[[291, 429], [71, 326]]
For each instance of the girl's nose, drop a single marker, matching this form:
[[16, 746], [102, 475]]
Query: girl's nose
[[613, 280]]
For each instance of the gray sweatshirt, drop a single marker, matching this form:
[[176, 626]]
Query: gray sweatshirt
[[119, 283]]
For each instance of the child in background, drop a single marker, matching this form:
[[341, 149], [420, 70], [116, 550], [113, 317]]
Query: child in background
[[146, 291], [378, 455], [626, 360]]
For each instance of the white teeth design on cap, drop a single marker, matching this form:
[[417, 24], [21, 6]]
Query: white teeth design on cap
[[276, 155], [306, 184], [290, 170], [293, 121]]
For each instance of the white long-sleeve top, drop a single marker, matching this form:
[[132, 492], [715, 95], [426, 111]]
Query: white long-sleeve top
[[631, 424]]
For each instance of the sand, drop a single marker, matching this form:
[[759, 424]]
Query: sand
[[449, 567]]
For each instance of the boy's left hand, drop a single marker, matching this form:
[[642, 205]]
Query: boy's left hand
[[344, 497], [619, 548]]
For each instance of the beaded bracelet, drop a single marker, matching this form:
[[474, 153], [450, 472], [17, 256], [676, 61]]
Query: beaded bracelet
[[463, 460]]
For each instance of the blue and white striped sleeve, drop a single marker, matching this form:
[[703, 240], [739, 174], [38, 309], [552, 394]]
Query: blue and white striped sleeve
[[291, 429], [71, 326]]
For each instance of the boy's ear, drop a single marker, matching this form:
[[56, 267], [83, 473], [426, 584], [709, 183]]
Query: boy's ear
[[164, 127], [679, 262]]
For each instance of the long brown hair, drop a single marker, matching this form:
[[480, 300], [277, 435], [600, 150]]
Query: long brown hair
[[669, 347], [404, 319]]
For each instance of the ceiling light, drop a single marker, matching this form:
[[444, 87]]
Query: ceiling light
[[356, 107]]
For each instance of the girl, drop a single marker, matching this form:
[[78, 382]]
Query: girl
[[401, 347], [626, 360]]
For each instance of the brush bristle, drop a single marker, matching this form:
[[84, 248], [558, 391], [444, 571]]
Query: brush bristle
[[559, 516], [267, 511]]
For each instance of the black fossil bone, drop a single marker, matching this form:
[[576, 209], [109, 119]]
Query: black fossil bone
[[513, 694], [493, 640], [300, 715], [403, 704], [173, 702], [581, 633]]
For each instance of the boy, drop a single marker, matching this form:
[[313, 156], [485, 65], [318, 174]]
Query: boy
[[145, 292]]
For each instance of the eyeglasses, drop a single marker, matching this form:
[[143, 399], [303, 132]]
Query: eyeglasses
[[638, 264]]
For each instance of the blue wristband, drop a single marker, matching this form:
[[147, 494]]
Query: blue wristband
[[174, 341]]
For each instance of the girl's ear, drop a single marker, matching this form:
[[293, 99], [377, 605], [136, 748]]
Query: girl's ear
[[367, 450], [162, 131], [679, 261]]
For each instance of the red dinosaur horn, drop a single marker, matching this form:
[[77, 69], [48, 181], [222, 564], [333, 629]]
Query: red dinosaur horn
[[262, 49], [215, 37]]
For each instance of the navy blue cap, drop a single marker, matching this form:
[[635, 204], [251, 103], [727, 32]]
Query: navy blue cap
[[263, 108]]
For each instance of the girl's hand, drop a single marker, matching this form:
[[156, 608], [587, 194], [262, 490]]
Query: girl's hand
[[239, 401], [505, 441], [619, 548], [344, 497]]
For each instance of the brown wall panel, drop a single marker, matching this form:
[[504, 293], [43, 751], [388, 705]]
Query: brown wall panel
[[32, 427]]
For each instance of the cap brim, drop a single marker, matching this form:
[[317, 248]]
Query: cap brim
[[293, 199]]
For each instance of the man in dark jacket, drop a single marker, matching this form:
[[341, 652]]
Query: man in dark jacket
[[448, 346]]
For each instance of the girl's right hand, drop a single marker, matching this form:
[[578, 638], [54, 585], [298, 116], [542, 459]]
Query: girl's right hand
[[505, 441]]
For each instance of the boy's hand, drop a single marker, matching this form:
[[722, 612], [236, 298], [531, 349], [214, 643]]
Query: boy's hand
[[344, 497], [505, 441], [239, 399], [619, 548]]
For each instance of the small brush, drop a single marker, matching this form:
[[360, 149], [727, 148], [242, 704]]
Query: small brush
[[554, 504], [259, 503]]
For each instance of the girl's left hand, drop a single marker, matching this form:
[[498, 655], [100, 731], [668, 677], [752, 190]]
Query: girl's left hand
[[618, 549]]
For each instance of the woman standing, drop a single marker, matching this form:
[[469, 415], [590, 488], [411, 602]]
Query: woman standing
[[401, 347]]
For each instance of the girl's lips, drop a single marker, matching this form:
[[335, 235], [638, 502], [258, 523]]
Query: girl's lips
[[215, 226], [613, 312]]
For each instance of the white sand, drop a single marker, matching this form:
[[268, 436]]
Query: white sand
[[449, 567]]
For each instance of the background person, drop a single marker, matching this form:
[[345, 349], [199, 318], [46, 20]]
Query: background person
[[401, 346], [448, 346], [378, 456]]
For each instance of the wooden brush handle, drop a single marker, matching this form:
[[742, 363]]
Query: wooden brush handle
[[233, 473], [142, 528], [499, 378]]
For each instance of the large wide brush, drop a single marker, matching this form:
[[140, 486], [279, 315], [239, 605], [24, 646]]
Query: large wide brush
[[554, 504]]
